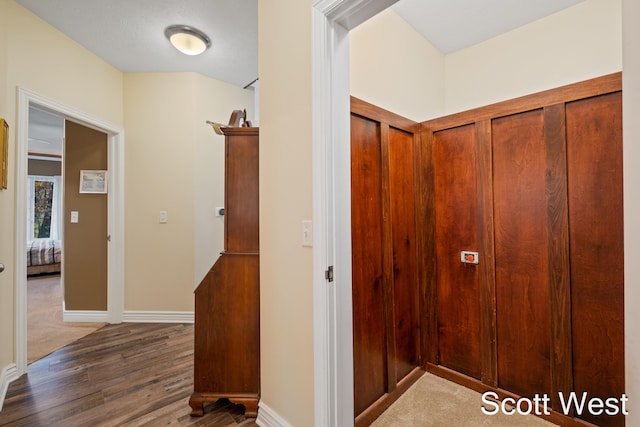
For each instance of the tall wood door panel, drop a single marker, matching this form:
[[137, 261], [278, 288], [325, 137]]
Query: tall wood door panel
[[521, 253], [594, 152], [386, 295], [458, 294]]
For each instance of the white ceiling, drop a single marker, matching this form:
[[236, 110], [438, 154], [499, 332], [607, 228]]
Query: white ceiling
[[451, 25], [129, 34]]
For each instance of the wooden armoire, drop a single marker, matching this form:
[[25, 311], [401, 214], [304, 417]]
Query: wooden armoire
[[227, 301]]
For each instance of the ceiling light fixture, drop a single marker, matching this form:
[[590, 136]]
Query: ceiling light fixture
[[187, 40]]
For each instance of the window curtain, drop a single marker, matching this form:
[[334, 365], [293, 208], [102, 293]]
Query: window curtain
[[36, 187]]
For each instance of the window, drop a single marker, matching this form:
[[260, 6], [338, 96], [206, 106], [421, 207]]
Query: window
[[44, 207]]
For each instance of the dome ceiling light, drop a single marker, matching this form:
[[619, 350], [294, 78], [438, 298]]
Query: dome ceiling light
[[187, 40]]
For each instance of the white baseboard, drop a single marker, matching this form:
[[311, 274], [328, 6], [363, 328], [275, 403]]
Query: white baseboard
[[8, 374], [88, 316], [158, 316], [267, 417]]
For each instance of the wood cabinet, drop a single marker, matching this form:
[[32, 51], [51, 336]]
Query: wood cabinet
[[227, 301]]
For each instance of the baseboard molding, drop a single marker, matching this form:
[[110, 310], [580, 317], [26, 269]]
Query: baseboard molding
[[86, 316], [158, 316], [267, 417], [8, 374]]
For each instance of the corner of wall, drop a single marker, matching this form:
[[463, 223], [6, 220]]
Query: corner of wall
[[267, 417], [8, 374]]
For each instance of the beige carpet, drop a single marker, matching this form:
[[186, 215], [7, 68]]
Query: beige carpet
[[433, 401], [46, 332]]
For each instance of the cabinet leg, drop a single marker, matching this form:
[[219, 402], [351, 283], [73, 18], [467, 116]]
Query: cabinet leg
[[197, 406], [249, 401], [250, 406]]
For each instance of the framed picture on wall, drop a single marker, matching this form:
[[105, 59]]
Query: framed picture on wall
[[4, 153], [93, 181]]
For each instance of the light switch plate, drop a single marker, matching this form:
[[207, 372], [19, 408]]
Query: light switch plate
[[307, 233], [74, 217], [163, 217]]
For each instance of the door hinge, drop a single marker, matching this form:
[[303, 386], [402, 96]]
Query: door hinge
[[328, 274]]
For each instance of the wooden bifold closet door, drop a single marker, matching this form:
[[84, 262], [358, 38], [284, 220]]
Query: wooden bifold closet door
[[386, 297]]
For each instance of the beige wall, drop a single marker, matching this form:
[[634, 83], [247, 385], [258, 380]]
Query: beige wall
[[286, 285], [35, 56], [174, 163], [575, 44], [394, 67], [421, 83]]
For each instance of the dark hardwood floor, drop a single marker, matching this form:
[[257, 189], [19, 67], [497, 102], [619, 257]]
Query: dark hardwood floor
[[132, 374]]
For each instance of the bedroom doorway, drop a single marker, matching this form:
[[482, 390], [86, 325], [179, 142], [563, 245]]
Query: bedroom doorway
[[114, 136], [47, 329]]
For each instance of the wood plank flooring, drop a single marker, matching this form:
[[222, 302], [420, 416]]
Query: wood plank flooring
[[132, 374]]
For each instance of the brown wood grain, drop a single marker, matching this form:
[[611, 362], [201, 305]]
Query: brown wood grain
[[594, 138], [558, 244], [227, 300], [427, 233], [241, 217], [549, 189], [126, 374], [522, 264], [368, 282], [405, 313], [486, 268], [458, 293], [386, 282]]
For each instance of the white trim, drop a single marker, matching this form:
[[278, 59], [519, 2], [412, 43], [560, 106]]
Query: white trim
[[333, 339], [267, 417], [115, 201], [8, 374], [158, 317], [88, 316], [333, 365]]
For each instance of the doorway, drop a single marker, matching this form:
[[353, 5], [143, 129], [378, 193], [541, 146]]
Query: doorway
[[115, 207], [57, 150]]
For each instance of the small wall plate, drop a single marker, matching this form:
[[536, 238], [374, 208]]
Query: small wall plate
[[469, 257]]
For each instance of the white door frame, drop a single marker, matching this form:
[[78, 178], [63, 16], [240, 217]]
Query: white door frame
[[333, 330], [115, 222]]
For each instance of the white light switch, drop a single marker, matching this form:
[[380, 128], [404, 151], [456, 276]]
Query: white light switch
[[163, 217], [307, 233], [74, 217]]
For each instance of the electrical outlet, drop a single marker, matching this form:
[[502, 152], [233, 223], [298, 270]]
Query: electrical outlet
[[469, 257]]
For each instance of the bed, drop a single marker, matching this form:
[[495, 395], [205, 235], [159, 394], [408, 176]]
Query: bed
[[43, 256]]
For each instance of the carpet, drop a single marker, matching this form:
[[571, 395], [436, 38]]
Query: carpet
[[46, 331], [435, 402]]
